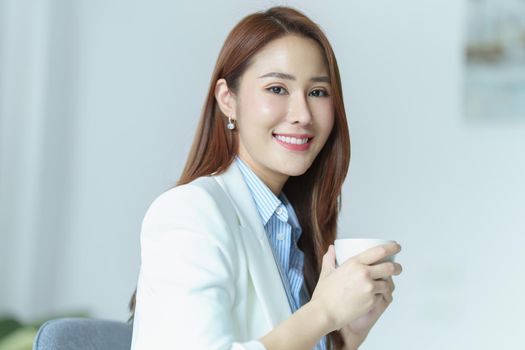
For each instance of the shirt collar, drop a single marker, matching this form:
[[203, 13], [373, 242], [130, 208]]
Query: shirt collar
[[267, 202], [292, 219]]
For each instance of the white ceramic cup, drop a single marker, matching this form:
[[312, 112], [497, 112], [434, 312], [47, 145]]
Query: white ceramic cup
[[346, 248]]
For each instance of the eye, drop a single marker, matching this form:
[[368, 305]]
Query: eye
[[319, 93], [277, 90]]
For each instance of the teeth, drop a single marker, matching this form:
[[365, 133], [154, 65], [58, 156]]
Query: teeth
[[292, 140]]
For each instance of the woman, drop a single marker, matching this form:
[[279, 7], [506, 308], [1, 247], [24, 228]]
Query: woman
[[239, 254]]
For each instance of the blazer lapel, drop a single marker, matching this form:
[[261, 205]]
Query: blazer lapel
[[261, 263]]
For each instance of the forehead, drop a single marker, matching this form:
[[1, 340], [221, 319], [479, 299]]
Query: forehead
[[292, 54]]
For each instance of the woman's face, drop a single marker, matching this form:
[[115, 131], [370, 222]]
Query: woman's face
[[283, 109]]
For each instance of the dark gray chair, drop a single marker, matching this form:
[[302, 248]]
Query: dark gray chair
[[83, 334]]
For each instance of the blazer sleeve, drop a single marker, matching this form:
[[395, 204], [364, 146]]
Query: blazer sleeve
[[185, 291]]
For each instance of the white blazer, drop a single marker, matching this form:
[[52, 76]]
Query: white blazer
[[208, 278]]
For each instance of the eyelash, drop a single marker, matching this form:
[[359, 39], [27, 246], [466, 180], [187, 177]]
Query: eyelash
[[280, 87]]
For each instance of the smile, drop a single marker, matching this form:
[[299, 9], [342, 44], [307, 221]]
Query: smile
[[294, 142]]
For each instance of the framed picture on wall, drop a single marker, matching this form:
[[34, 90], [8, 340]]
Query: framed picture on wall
[[494, 86]]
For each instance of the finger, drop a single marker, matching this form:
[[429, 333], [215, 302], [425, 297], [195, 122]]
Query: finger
[[388, 295], [384, 270], [377, 299], [391, 285], [328, 263], [381, 287], [388, 298], [377, 253]]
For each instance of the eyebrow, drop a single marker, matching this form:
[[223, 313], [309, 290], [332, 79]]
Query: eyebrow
[[322, 79]]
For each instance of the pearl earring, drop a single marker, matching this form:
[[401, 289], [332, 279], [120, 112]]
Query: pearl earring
[[231, 125]]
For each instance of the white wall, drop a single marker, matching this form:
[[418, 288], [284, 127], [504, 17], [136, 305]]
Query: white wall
[[451, 192], [125, 85]]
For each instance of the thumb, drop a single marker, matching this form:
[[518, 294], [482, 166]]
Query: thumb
[[328, 264]]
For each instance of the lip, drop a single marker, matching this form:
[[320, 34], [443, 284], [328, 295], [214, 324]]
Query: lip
[[299, 136], [294, 147]]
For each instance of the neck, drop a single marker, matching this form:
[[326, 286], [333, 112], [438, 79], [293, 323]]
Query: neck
[[273, 180]]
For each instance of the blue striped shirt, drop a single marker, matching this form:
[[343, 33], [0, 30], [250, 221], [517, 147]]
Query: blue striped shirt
[[283, 230]]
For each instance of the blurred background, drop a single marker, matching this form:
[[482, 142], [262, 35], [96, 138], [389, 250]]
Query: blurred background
[[99, 101]]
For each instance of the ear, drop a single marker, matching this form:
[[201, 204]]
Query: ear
[[226, 99]]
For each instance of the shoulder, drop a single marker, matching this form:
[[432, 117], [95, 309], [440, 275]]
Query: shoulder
[[186, 229], [199, 206]]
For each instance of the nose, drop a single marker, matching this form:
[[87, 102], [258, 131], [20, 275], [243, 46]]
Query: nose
[[299, 111]]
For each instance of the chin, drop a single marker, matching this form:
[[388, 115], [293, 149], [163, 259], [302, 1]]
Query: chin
[[296, 169]]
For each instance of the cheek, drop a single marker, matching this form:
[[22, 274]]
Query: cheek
[[324, 113], [263, 110]]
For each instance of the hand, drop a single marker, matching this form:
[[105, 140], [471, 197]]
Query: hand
[[354, 288], [356, 331]]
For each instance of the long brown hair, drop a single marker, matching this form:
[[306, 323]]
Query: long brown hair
[[316, 194]]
